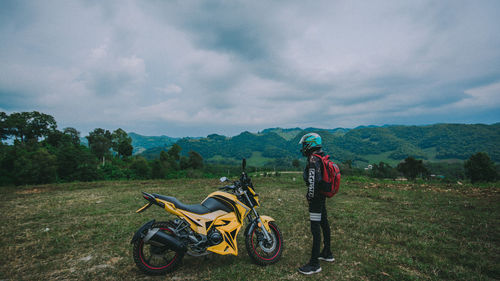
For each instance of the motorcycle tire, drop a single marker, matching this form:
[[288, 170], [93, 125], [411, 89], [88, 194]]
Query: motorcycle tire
[[261, 252], [154, 260]]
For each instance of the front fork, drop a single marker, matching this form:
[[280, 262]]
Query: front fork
[[262, 226], [259, 221]]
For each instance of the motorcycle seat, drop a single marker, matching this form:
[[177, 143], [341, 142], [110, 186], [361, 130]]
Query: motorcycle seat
[[196, 208], [209, 205]]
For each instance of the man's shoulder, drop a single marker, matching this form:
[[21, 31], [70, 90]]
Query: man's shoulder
[[314, 159]]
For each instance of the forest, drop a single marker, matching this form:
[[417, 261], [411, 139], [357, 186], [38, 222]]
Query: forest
[[34, 151]]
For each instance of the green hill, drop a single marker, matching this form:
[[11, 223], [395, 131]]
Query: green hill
[[151, 146], [362, 145], [143, 143]]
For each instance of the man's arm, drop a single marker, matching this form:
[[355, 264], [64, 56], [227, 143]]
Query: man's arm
[[311, 181]]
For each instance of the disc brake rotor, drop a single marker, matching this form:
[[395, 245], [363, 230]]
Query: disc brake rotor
[[266, 246]]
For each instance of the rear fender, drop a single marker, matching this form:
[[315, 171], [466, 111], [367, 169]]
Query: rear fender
[[169, 207], [139, 234]]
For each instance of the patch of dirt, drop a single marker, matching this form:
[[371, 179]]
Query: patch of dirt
[[87, 258], [114, 260], [99, 266], [413, 272], [31, 191]]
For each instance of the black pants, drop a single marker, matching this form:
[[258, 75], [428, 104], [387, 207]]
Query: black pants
[[319, 219]]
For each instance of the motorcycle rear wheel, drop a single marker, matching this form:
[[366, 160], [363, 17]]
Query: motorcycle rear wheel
[[155, 260], [262, 252]]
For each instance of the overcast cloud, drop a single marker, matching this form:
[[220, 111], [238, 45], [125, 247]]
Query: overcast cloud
[[191, 68]]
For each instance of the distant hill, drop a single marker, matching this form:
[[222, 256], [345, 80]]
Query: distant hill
[[289, 134], [142, 143], [363, 145]]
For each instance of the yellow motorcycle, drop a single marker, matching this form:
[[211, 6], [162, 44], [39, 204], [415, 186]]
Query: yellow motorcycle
[[209, 227]]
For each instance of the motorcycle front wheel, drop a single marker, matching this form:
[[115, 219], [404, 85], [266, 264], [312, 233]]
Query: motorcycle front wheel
[[261, 251], [154, 260]]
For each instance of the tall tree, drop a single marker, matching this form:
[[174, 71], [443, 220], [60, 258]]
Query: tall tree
[[383, 170], [195, 160], [100, 143], [30, 125], [57, 138], [17, 125], [122, 143], [74, 134], [168, 161], [175, 151], [411, 168], [4, 130], [479, 168], [184, 163]]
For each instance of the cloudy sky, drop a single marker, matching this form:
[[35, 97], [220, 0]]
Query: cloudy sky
[[191, 68]]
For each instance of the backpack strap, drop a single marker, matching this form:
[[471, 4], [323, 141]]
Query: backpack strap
[[323, 158], [324, 165]]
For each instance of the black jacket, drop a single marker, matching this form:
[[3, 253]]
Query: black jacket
[[313, 176]]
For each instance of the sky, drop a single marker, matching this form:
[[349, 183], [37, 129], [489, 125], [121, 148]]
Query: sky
[[193, 68]]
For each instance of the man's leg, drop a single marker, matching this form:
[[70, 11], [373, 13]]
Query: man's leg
[[316, 208], [326, 254], [325, 226], [315, 219], [316, 235]]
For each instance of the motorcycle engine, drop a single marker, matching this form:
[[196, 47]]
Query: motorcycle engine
[[215, 237]]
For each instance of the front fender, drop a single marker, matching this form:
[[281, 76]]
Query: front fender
[[265, 220], [139, 234]]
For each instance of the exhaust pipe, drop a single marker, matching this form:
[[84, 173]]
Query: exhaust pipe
[[159, 238]]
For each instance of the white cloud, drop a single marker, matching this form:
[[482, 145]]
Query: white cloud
[[170, 89], [481, 97], [163, 65], [99, 53]]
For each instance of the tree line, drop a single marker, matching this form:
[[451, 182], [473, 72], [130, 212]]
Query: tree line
[[34, 151], [441, 141], [478, 168]]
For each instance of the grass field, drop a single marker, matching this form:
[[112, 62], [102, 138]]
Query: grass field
[[381, 230]]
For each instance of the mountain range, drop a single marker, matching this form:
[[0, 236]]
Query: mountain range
[[362, 145]]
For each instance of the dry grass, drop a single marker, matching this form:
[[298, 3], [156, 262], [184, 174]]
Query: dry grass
[[380, 230]]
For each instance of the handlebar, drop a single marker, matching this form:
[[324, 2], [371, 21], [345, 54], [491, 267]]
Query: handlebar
[[227, 187], [243, 182]]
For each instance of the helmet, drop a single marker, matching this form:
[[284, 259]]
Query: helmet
[[310, 142]]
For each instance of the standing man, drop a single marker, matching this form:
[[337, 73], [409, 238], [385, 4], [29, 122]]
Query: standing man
[[311, 144]]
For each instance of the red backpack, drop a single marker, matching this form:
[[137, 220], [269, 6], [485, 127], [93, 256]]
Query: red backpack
[[331, 175]]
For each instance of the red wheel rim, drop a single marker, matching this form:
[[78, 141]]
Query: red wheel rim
[[279, 245]]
